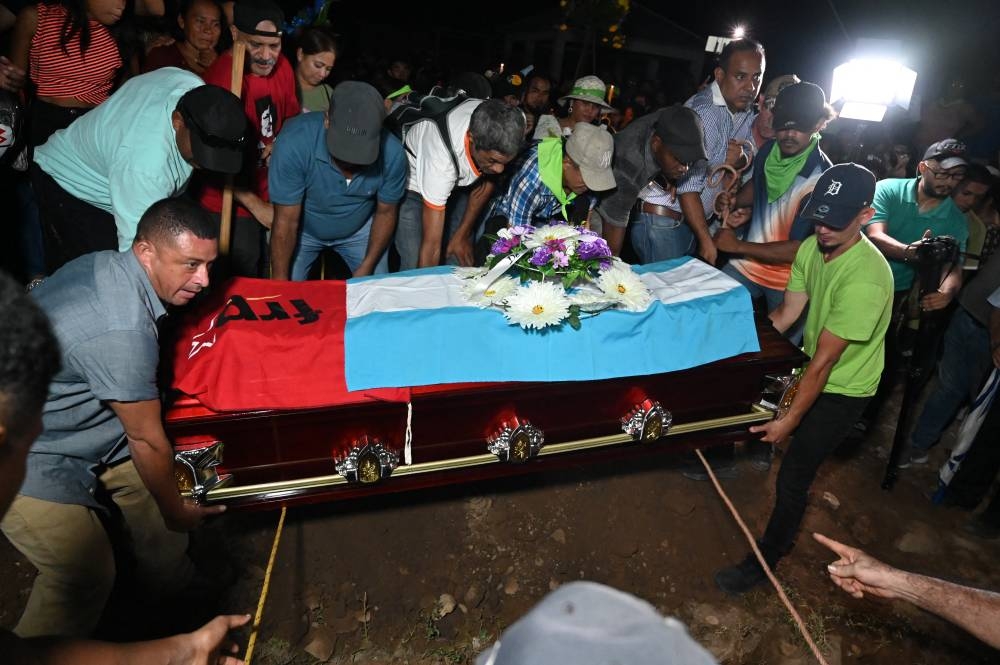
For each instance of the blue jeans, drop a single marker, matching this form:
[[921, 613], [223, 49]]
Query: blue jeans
[[772, 297], [352, 249], [657, 238], [964, 361], [410, 230]]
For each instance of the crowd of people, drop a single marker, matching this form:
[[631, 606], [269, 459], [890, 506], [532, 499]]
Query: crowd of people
[[129, 163]]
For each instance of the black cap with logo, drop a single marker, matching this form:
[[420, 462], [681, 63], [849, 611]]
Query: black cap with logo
[[799, 106], [840, 194], [214, 117], [949, 153]]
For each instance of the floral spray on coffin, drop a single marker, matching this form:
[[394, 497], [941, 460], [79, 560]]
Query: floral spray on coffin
[[550, 275]]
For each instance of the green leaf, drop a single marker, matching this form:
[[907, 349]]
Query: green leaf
[[574, 321]]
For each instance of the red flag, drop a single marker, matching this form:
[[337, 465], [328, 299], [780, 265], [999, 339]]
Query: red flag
[[266, 344]]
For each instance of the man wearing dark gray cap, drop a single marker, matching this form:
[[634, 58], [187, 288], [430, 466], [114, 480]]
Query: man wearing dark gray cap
[[660, 146], [333, 171], [847, 284], [585, 623]]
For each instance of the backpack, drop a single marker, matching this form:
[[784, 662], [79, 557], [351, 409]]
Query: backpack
[[434, 106]]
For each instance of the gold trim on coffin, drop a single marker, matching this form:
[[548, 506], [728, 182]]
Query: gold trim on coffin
[[279, 489]]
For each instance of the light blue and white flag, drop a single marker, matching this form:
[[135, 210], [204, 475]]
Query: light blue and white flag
[[416, 328], [967, 433]]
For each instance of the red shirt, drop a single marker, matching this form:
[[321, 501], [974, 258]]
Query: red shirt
[[165, 56], [268, 102]]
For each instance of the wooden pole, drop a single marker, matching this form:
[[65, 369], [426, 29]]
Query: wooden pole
[[226, 217]]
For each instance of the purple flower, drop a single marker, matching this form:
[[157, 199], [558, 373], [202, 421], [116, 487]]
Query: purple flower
[[559, 259], [522, 230], [556, 245], [593, 249], [541, 256], [504, 245]]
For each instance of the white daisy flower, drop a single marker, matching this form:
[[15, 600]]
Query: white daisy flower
[[537, 305], [470, 273], [623, 286], [550, 232], [494, 294]]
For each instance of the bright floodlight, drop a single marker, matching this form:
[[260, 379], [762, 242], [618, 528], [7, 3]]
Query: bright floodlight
[[869, 87], [739, 32]]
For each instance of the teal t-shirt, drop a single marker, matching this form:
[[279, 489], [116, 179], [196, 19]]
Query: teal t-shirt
[[896, 206], [122, 157], [850, 296]]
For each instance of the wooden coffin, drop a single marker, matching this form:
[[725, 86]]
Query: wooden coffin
[[467, 432]]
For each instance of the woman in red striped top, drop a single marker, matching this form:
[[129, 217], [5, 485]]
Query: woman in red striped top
[[70, 55]]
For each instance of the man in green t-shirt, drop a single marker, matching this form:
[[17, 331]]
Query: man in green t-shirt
[[847, 284], [906, 211]]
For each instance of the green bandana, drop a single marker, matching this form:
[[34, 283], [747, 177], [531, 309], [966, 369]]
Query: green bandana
[[550, 168], [781, 171]]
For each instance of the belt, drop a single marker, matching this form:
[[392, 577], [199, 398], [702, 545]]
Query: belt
[[662, 211]]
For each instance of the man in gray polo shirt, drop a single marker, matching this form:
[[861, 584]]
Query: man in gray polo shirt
[[102, 435]]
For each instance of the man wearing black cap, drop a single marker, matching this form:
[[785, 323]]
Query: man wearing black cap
[[269, 100], [662, 147], [846, 282], [906, 211], [103, 459], [785, 172], [95, 179], [337, 170]]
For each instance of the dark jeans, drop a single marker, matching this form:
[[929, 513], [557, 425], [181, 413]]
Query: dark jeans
[[47, 118], [71, 227], [822, 429], [973, 479]]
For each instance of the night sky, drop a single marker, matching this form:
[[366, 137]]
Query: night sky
[[938, 37]]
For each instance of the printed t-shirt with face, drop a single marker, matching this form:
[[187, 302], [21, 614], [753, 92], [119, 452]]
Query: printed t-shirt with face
[[432, 171], [268, 102], [850, 296]]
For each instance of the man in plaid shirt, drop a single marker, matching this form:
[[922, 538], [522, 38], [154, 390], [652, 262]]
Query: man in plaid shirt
[[553, 174]]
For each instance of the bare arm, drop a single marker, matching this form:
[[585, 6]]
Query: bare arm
[[829, 348], [460, 244], [154, 460], [383, 226], [858, 573], [694, 216], [14, 70], [782, 251], [203, 647], [284, 231], [261, 210], [951, 284], [877, 232], [430, 242], [789, 311]]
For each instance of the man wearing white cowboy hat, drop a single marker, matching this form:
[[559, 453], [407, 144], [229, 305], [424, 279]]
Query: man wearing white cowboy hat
[[586, 102]]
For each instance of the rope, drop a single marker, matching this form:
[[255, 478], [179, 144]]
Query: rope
[[760, 559], [263, 592]]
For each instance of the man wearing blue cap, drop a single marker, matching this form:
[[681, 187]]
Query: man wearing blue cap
[[847, 284]]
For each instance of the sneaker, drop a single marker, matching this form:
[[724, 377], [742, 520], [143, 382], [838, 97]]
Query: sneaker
[[981, 529], [742, 577], [699, 474], [915, 459]]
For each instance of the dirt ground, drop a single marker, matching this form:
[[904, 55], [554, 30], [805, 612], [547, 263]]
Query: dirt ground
[[435, 577]]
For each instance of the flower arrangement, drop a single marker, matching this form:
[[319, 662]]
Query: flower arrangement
[[549, 275]]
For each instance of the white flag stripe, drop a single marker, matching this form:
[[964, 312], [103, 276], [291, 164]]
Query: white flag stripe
[[402, 293]]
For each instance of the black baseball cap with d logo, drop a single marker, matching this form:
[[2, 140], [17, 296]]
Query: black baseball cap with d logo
[[214, 116], [840, 194]]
